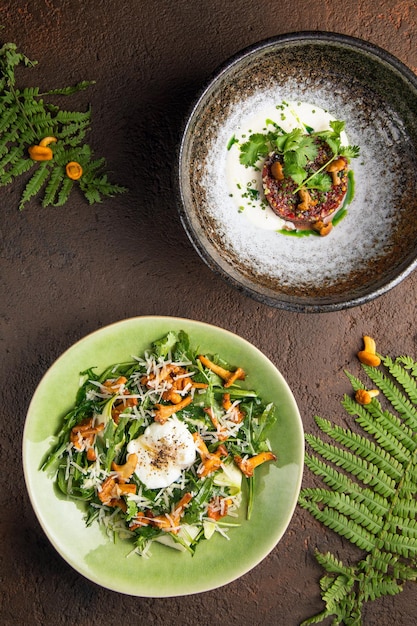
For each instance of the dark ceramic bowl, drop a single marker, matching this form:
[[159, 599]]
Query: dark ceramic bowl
[[375, 245]]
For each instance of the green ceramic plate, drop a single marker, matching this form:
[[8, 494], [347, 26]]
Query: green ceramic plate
[[168, 572]]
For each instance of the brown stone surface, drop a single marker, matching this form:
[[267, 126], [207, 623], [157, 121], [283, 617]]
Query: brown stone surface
[[68, 271]]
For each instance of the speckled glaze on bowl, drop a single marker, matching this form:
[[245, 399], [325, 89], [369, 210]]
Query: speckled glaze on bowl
[[375, 245]]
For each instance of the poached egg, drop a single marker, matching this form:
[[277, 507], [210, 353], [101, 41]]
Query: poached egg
[[163, 451]]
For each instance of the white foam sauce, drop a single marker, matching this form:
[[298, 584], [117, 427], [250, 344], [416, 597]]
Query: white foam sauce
[[245, 183], [251, 234]]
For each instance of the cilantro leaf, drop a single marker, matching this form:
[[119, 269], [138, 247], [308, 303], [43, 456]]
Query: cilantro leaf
[[291, 140], [350, 152], [307, 149], [320, 181], [253, 149], [297, 173], [337, 126], [298, 149]]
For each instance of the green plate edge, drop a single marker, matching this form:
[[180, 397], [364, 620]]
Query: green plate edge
[[168, 572]]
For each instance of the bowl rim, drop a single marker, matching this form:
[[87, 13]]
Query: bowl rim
[[307, 36]]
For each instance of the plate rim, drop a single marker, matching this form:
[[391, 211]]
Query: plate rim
[[27, 468]]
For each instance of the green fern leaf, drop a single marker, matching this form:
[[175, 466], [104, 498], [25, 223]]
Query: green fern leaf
[[341, 524], [364, 447], [55, 181], [8, 119], [73, 117], [334, 565], [68, 91], [20, 167], [385, 427], [401, 544], [376, 588], [407, 527], [10, 158], [408, 363], [340, 482], [403, 378], [368, 473], [317, 619], [399, 401], [64, 192], [349, 507], [25, 119], [371, 499], [340, 587], [35, 183]]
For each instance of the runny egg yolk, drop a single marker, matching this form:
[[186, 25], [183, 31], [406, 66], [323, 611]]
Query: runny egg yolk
[[163, 451]]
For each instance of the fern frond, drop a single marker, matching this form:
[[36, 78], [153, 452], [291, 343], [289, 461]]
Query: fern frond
[[101, 187], [25, 119], [54, 183], [407, 489], [399, 401], [364, 447], [368, 473], [347, 506], [340, 482], [30, 93], [371, 499], [401, 544], [69, 117], [68, 91], [8, 139], [317, 619], [8, 119], [405, 507], [333, 565], [340, 588], [75, 131], [20, 167], [402, 571], [408, 363], [400, 374], [385, 427], [405, 526], [35, 184], [10, 159], [376, 588], [64, 192], [341, 524]]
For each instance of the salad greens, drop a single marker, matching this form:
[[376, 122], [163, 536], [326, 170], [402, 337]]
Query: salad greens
[[92, 459]]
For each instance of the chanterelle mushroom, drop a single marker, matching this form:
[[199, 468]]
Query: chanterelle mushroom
[[306, 200]]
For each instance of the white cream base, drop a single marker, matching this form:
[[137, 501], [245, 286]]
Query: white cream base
[[287, 115], [251, 236]]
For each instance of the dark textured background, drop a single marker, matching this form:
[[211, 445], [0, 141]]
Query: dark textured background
[[68, 271]]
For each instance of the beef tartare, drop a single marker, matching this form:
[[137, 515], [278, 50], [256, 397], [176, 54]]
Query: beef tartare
[[303, 206]]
